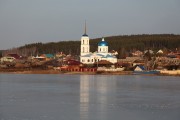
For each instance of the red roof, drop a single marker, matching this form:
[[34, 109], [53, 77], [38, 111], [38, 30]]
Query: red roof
[[104, 62], [73, 62], [16, 56]]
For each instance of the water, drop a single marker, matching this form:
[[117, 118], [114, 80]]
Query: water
[[89, 97]]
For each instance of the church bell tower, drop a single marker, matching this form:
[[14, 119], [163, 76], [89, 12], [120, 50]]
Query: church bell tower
[[85, 47]]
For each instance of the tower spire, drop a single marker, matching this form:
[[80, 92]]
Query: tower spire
[[85, 31], [85, 28]]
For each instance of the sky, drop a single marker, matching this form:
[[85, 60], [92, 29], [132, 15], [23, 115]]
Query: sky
[[31, 21]]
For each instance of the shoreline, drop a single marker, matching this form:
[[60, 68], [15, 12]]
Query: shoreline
[[51, 71], [63, 72]]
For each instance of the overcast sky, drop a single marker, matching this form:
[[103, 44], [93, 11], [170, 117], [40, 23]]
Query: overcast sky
[[30, 21]]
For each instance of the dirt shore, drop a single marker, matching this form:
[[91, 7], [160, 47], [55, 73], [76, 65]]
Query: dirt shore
[[51, 71]]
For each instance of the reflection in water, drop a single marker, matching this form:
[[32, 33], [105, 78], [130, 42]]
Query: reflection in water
[[102, 89], [94, 91], [84, 97]]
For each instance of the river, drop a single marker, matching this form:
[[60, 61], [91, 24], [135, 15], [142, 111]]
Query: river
[[89, 97]]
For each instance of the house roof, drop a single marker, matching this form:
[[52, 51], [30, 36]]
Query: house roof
[[73, 62], [49, 55], [150, 51], [104, 62], [138, 67], [160, 51], [16, 56], [172, 56]]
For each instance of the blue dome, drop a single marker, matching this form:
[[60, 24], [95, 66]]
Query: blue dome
[[103, 43]]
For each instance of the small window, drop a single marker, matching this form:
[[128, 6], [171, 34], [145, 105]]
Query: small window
[[88, 60], [92, 60], [83, 49]]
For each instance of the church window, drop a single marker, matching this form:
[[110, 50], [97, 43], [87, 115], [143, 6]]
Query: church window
[[88, 60], [83, 41], [83, 49], [92, 60], [100, 49], [103, 49]]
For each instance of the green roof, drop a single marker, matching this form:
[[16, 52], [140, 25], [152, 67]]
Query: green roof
[[49, 55]]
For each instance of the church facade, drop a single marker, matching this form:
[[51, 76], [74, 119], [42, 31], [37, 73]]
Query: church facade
[[87, 57]]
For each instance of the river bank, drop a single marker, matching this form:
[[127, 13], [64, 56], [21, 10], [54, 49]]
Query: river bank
[[170, 72], [51, 71]]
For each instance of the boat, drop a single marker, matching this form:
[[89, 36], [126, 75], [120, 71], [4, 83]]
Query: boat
[[151, 72]]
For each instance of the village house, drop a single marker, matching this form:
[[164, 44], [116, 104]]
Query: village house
[[10, 58], [60, 55], [47, 56], [139, 68], [137, 53], [7, 59], [173, 55]]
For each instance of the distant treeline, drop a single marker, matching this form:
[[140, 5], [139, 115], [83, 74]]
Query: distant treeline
[[125, 43]]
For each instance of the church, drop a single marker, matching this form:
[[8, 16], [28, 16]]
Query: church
[[87, 57]]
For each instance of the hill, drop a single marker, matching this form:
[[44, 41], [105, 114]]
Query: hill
[[126, 43]]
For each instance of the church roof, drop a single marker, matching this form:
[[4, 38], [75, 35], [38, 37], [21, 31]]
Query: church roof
[[103, 43], [85, 35], [109, 56], [93, 54], [98, 54], [88, 55]]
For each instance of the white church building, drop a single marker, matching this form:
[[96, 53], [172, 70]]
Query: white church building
[[88, 57]]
